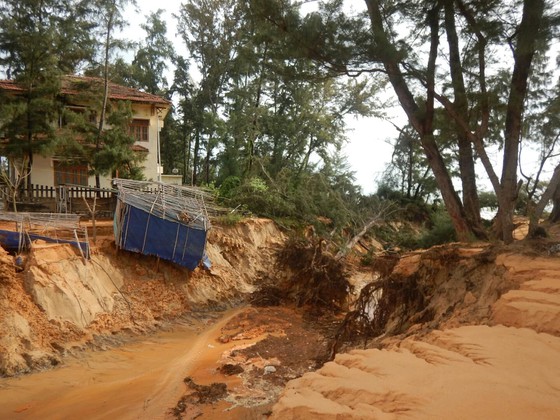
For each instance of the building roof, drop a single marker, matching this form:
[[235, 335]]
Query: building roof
[[74, 85], [10, 85]]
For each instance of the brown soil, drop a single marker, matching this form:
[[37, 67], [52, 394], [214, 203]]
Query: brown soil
[[261, 349], [467, 331], [59, 304]]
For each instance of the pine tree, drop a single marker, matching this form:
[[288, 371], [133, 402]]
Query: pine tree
[[39, 42], [110, 12], [153, 55]]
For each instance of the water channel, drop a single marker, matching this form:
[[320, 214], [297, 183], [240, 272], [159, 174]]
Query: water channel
[[138, 380]]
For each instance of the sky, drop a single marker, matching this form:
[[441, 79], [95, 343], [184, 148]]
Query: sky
[[367, 151]]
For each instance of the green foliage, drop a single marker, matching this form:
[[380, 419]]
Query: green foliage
[[257, 185], [291, 225], [44, 37], [265, 118], [258, 198], [488, 199], [256, 111], [327, 199], [39, 41], [434, 224], [440, 232], [394, 235], [406, 233], [230, 219], [74, 142], [412, 209], [229, 186], [454, 46], [408, 175], [150, 61]]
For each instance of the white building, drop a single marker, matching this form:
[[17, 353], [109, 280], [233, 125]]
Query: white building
[[149, 112]]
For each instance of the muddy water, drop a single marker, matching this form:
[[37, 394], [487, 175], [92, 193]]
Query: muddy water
[[142, 380]]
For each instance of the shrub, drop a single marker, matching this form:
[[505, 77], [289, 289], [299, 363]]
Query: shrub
[[441, 232], [229, 186], [230, 219]]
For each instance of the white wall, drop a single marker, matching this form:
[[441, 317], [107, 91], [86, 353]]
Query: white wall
[[172, 179], [144, 112], [43, 171]]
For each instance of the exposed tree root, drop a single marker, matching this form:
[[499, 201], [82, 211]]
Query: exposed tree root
[[306, 275], [428, 294]]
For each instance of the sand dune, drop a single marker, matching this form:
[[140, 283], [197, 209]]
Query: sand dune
[[509, 369]]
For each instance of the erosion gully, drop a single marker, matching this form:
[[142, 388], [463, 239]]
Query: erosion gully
[[138, 380]]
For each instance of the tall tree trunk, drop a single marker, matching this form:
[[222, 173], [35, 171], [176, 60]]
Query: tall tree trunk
[[445, 184], [254, 123], [536, 181], [421, 121], [523, 54], [550, 192], [555, 213], [29, 139], [304, 164], [207, 161], [410, 169], [195, 157], [105, 89], [466, 160], [186, 151]]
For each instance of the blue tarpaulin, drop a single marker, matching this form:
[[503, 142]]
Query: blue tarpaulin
[[150, 235], [162, 220], [16, 241], [11, 241]]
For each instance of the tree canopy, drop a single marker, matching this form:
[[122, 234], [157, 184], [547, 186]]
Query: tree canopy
[[470, 60], [262, 90]]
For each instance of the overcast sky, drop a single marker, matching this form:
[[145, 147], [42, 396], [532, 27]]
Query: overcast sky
[[367, 150]]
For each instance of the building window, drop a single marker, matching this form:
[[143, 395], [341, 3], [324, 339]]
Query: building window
[[139, 129], [65, 173]]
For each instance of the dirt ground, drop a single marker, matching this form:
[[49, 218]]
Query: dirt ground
[[277, 344], [54, 303], [479, 320], [484, 322], [474, 333], [56, 306]]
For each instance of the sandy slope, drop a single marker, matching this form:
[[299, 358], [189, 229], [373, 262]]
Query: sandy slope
[[490, 351], [60, 304], [509, 369]]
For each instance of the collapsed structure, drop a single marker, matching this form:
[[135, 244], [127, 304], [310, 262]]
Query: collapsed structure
[[164, 220], [48, 227]]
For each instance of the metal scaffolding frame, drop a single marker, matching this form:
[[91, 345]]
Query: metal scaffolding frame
[[51, 227], [185, 205]]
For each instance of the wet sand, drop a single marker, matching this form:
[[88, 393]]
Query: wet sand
[[141, 380]]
